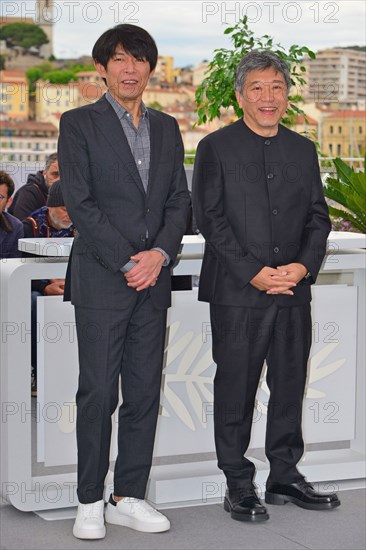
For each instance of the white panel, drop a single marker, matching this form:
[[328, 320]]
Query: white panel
[[186, 421]]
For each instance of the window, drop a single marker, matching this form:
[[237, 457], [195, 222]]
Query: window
[[339, 129], [331, 148], [339, 149], [360, 129], [331, 129]]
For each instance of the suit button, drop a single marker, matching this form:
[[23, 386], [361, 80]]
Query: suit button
[[147, 210], [274, 212], [276, 250], [267, 142], [270, 176]]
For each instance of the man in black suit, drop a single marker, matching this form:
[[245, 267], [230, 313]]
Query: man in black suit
[[259, 203], [126, 192]]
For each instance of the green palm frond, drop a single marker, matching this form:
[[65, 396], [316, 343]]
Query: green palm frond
[[348, 190]]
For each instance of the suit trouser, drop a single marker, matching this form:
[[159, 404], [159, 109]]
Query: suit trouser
[[113, 345], [242, 339]]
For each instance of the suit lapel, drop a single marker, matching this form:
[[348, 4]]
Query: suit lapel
[[156, 133], [107, 122]]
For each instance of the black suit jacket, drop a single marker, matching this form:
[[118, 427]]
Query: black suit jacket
[[258, 202], [106, 201]]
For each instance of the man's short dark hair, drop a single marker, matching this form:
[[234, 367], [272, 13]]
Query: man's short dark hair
[[258, 60], [135, 41], [7, 180], [50, 159]]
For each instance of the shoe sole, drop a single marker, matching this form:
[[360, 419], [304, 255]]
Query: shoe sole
[[277, 499], [115, 518], [241, 517], [88, 534]]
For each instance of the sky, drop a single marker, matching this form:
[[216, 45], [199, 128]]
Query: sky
[[190, 30]]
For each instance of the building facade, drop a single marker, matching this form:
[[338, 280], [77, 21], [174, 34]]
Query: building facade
[[91, 87], [44, 19], [168, 95], [55, 98], [336, 76], [343, 134], [164, 71], [14, 95], [28, 142]]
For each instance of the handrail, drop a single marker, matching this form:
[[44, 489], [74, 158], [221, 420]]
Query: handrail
[[347, 159]]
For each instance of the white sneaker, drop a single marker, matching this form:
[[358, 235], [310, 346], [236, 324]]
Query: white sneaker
[[136, 514], [89, 523]]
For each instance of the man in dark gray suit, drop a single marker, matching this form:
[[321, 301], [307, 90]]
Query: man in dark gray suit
[[259, 203], [126, 192]]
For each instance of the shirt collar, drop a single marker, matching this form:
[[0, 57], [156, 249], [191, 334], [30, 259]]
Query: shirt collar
[[121, 111]]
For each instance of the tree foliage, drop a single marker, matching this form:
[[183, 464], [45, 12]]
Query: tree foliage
[[348, 189], [59, 76], [78, 68], [216, 92], [48, 71], [155, 105], [34, 74], [24, 35]]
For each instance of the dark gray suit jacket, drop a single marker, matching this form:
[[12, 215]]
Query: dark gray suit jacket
[[106, 201], [258, 202]]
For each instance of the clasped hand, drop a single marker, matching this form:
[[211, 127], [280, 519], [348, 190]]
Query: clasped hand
[[147, 270], [55, 287], [279, 280]]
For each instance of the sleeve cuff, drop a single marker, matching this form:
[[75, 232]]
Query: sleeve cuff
[[128, 266], [166, 256]]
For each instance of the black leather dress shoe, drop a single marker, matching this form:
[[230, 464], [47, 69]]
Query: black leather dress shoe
[[302, 494], [244, 505]]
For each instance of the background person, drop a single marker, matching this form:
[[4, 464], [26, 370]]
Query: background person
[[11, 229], [50, 221], [33, 195]]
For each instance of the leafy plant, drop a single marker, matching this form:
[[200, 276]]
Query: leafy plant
[[348, 190], [217, 90], [189, 160]]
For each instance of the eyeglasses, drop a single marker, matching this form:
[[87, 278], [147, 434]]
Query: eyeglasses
[[2, 197]]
